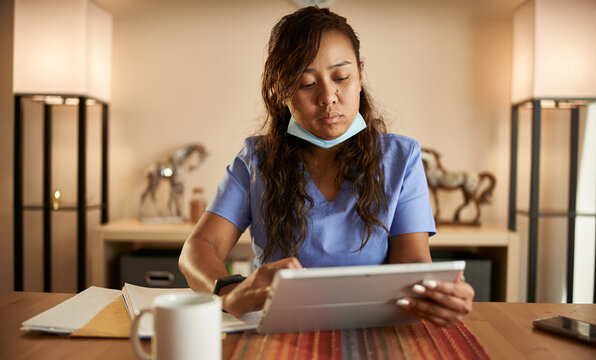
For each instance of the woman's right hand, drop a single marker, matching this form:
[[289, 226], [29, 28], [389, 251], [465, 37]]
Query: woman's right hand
[[250, 295]]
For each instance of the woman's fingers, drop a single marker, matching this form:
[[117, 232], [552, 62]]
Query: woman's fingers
[[263, 276], [251, 294], [287, 263], [422, 310], [444, 302], [429, 309], [457, 295], [456, 288]]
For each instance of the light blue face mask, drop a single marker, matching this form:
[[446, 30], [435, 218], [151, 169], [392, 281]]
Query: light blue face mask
[[295, 129]]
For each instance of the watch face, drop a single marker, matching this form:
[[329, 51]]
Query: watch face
[[319, 3]]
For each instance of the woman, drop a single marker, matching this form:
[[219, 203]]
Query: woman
[[325, 186]]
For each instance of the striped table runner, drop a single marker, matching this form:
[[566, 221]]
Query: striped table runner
[[422, 340]]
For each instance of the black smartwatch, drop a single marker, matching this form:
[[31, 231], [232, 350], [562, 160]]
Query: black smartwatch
[[225, 281]]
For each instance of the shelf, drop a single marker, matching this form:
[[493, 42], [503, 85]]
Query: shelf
[[61, 208], [469, 235], [555, 213], [133, 230]]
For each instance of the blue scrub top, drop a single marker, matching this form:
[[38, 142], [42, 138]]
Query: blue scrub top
[[335, 229]]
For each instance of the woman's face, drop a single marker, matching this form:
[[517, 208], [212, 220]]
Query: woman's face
[[328, 98]]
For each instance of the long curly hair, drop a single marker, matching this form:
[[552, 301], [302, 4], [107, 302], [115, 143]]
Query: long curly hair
[[285, 203]]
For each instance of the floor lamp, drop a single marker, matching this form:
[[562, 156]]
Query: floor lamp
[[554, 61], [62, 57]]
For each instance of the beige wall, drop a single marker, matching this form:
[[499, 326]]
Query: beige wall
[[187, 71], [191, 73]]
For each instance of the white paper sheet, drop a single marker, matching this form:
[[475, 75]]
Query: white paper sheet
[[72, 314]]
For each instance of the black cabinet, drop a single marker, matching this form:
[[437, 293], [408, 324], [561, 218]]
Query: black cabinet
[[151, 268]]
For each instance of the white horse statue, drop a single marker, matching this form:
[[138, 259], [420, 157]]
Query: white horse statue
[[470, 184], [174, 170]]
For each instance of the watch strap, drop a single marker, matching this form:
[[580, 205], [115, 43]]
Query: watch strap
[[225, 281]]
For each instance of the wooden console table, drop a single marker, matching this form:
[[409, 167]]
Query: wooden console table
[[121, 236], [489, 241]]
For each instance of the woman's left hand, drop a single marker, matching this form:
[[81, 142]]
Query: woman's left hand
[[444, 302]]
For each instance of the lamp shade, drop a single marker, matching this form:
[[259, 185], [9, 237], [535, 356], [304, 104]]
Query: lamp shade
[[62, 47], [554, 50]]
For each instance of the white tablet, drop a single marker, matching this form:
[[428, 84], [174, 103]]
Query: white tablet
[[346, 297]]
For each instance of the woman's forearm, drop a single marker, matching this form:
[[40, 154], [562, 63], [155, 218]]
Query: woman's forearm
[[200, 265], [204, 252]]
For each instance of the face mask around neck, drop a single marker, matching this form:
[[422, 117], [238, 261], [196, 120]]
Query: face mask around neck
[[295, 129]]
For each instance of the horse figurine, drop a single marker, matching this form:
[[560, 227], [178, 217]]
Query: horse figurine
[[470, 184], [174, 170]]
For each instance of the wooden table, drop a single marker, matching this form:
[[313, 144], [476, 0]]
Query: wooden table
[[504, 329]]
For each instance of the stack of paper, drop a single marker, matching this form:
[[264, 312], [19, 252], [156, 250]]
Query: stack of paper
[[74, 313]]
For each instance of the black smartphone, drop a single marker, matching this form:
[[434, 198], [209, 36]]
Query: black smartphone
[[577, 329]]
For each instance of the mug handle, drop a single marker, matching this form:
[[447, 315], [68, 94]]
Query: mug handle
[[134, 336]]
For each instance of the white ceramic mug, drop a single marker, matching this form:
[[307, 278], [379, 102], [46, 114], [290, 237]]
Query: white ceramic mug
[[186, 326]]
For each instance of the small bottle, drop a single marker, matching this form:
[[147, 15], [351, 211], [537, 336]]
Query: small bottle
[[197, 205]]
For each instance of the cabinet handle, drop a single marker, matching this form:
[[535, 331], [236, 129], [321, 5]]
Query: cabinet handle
[[159, 278]]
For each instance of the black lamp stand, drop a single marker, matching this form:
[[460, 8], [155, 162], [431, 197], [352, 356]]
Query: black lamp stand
[[46, 206], [534, 213]]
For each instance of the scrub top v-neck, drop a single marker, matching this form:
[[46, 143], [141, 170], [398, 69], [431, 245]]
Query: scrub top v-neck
[[335, 231]]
